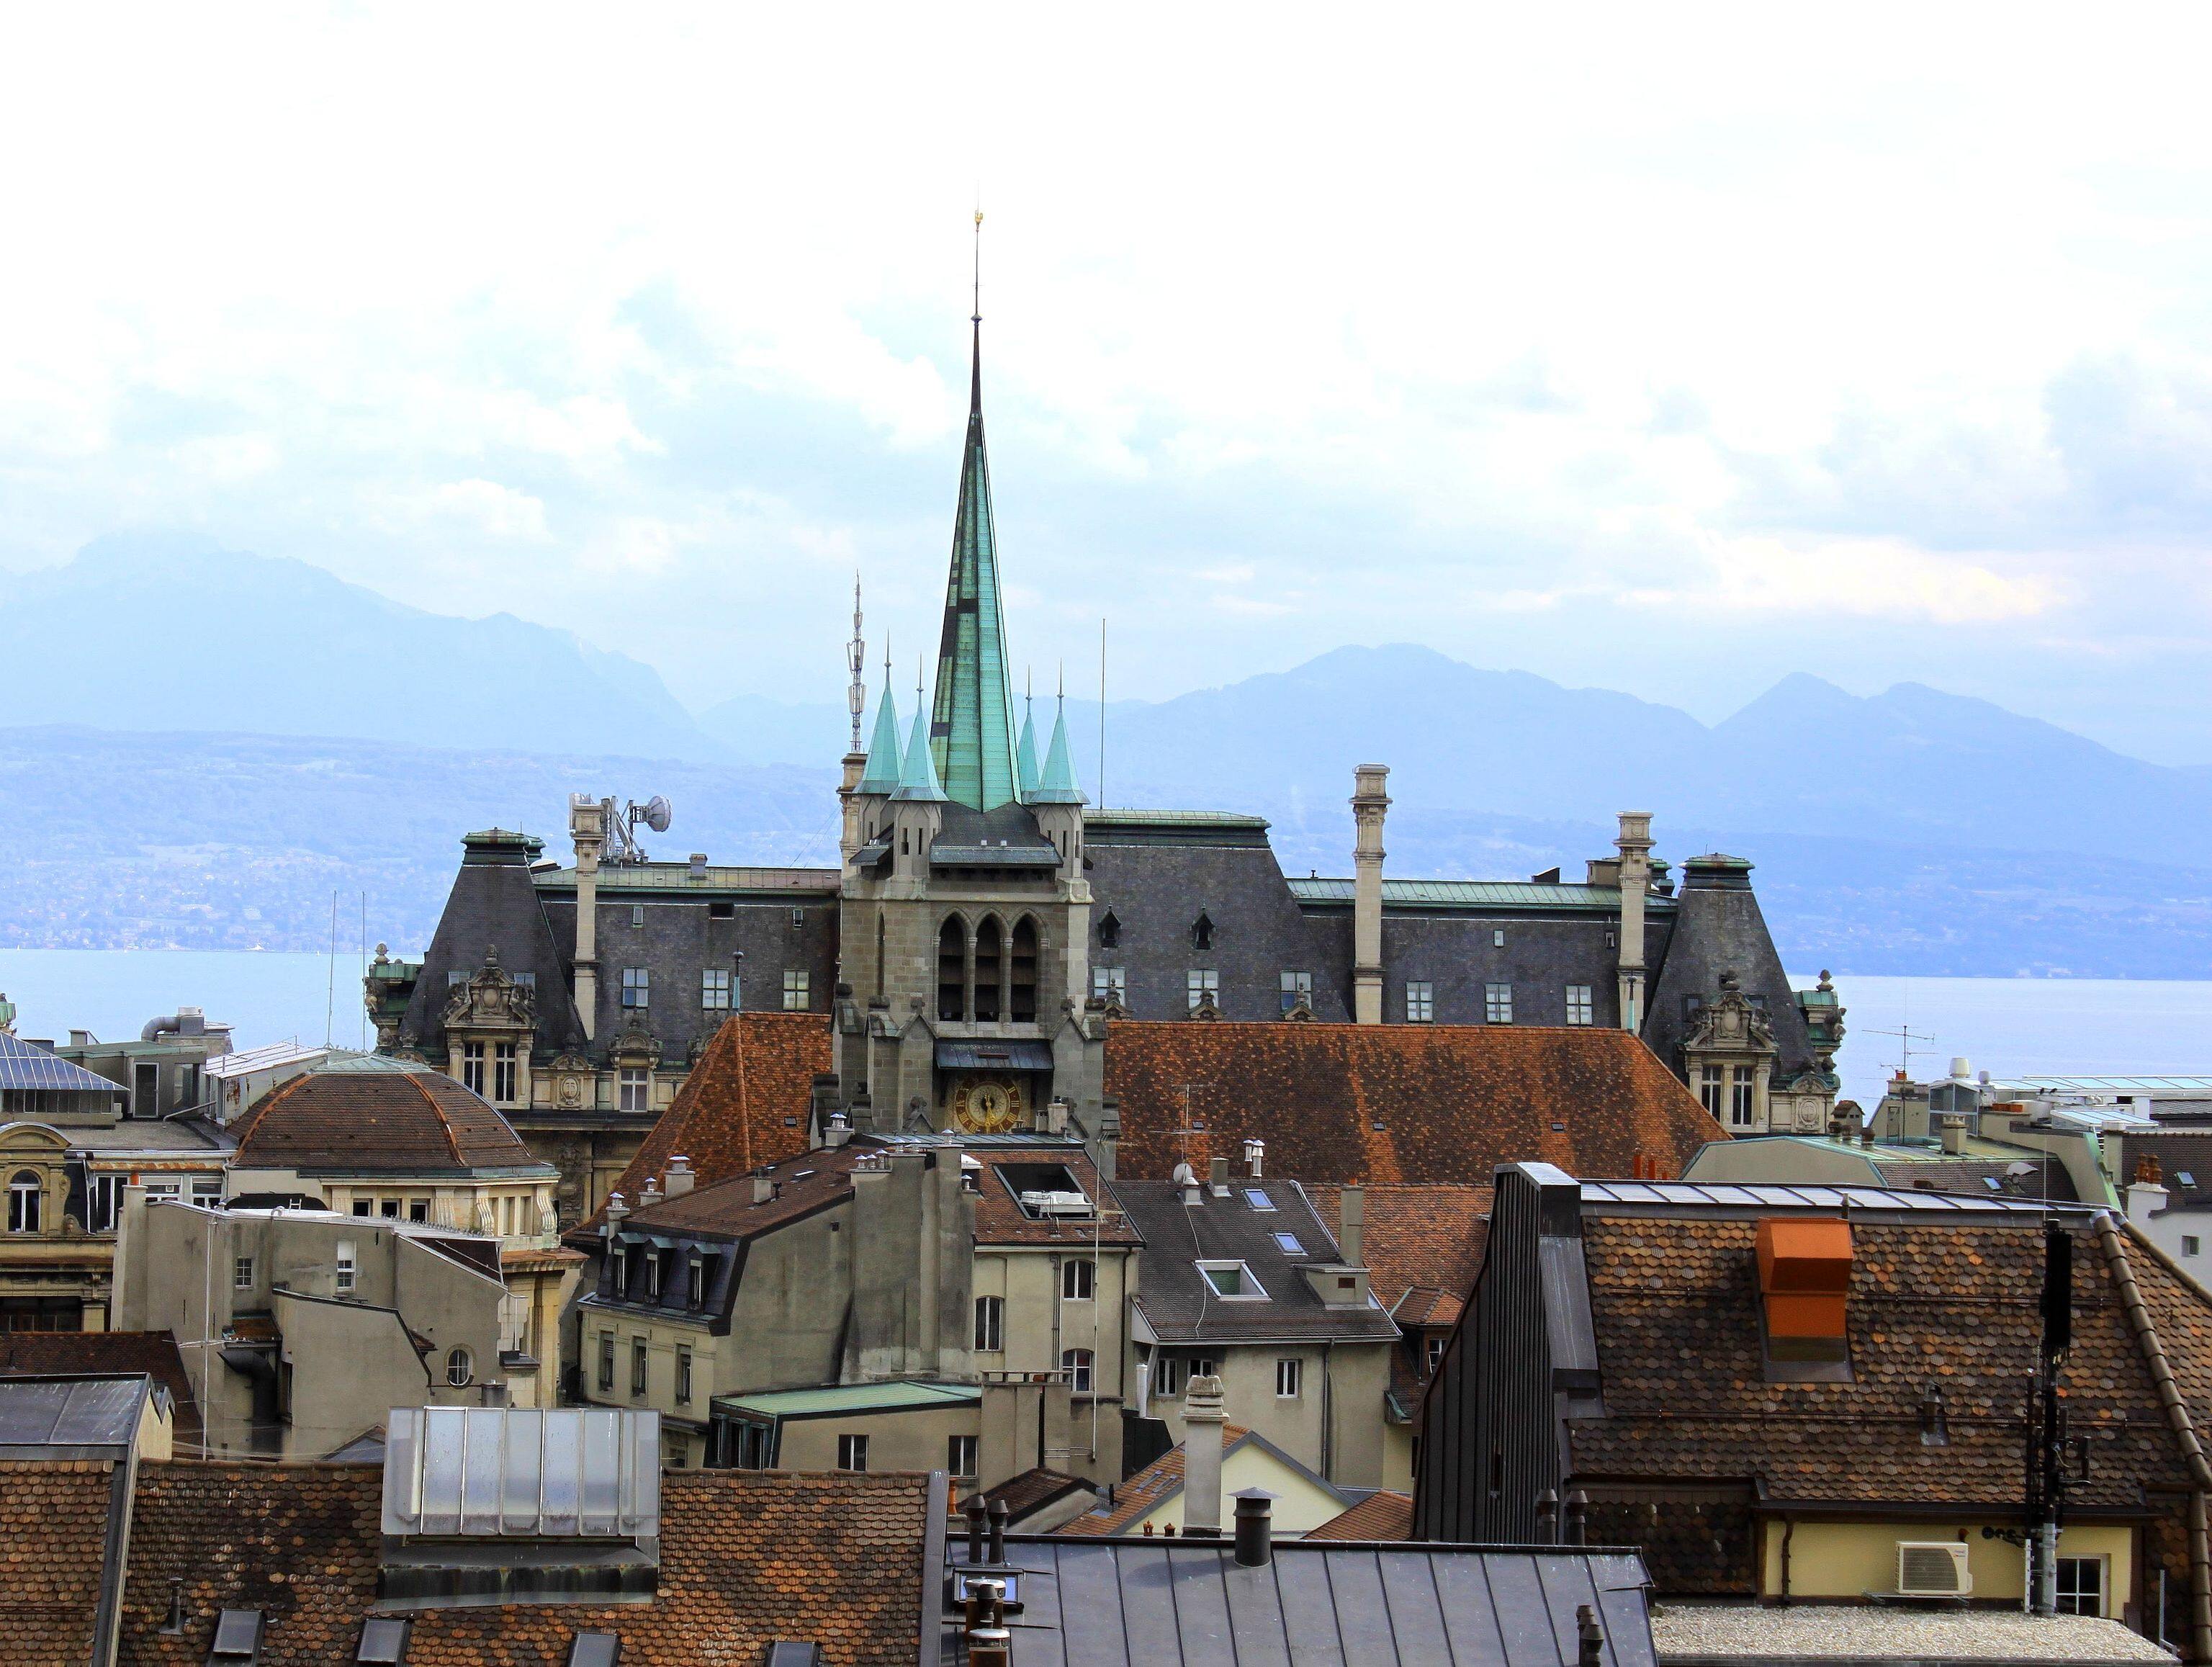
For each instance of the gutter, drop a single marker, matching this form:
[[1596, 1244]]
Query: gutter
[[2177, 1418], [115, 1555]]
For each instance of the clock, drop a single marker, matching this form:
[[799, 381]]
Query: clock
[[986, 1108]]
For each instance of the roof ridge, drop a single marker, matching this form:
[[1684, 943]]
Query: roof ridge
[[445, 1123]]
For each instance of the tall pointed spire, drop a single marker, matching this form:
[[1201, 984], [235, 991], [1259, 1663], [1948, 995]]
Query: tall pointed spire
[[971, 728], [1057, 786], [885, 761], [1025, 753], [918, 775]]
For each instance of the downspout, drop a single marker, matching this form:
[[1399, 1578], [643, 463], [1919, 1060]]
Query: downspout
[[1788, 1528], [2184, 1435], [122, 1496]]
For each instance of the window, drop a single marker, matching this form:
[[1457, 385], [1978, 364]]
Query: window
[[1578, 1004], [390, 1209], [1231, 1280], [241, 1274], [2082, 1586], [694, 1292], [753, 1445], [1076, 1363], [171, 1191], [1298, 990], [951, 971], [990, 1324], [1109, 929], [1110, 984], [1436, 1349], [796, 998], [715, 989], [1078, 1278], [1289, 1245], [1290, 1377], [636, 1088], [1739, 1097], [682, 1376], [727, 911], [502, 1074], [455, 977], [988, 956], [1168, 1376], [620, 1264], [2191, 1245], [460, 1368], [1420, 1002], [960, 1455], [363, 1206], [1498, 937], [1709, 1090], [207, 1191], [637, 987], [1201, 984], [652, 1277], [1497, 1004], [606, 1360], [637, 914], [106, 1202], [2184, 1177], [639, 1366], [473, 1067], [852, 1452], [418, 1209], [1257, 1198], [345, 1264]]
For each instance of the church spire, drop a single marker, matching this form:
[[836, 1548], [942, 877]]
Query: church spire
[[1057, 786], [885, 760], [971, 727], [917, 774], [1025, 753]]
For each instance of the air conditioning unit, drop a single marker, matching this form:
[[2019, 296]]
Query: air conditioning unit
[[1056, 1204], [1932, 1568]]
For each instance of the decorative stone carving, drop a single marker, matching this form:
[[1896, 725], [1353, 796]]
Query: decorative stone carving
[[635, 1044], [572, 1081], [491, 1001], [1206, 1007]]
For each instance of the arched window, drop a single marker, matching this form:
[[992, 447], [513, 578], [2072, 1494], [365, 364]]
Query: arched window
[[1022, 980], [879, 958], [460, 1368], [1109, 929], [1076, 1363], [26, 1194], [989, 966], [951, 971]]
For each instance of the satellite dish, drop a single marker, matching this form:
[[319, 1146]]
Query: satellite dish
[[2017, 1171], [657, 813]]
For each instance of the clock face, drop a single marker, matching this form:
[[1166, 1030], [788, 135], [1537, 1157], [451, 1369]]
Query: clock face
[[986, 1108]]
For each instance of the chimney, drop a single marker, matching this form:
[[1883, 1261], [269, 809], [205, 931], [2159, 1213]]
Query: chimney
[[1187, 1177], [1256, 1534], [617, 1213], [1634, 845], [1055, 1116], [1352, 1226], [1953, 1129], [80, 1039], [651, 1195], [763, 1188], [1202, 1419], [1589, 1637], [680, 1177], [1369, 804], [1256, 1154], [698, 870], [1216, 1177], [839, 1132], [2146, 1194], [984, 1624]]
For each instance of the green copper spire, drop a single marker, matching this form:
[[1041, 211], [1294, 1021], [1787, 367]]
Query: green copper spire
[[971, 728], [885, 759], [1058, 787], [918, 776], [1025, 768]]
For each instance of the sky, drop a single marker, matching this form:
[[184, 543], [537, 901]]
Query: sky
[[1669, 351]]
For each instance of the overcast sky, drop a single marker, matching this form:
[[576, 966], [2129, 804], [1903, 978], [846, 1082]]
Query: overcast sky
[[1669, 350]]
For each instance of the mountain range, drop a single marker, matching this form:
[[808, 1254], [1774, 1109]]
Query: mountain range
[[173, 704]]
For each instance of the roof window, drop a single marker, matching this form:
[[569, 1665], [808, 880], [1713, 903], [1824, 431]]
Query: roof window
[[1231, 1281], [383, 1641], [1258, 1199], [2184, 1177], [1289, 1245], [1046, 1192], [595, 1649], [237, 1637], [1804, 1285], [1992, 1184]]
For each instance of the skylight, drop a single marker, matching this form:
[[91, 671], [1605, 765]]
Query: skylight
[[1232, 1281], [2184, 1177], [1258, 1199], [1289, 1245]]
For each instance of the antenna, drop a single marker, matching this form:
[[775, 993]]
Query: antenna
[[1101, 715], [976, 316], [856, 655], [1184, 1134], [1905, 1038]]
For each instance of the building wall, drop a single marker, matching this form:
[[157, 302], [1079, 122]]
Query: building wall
[[897, 1440], [1298, 1507], [1847, 1560], [1348, 1380], [1040, 1324]]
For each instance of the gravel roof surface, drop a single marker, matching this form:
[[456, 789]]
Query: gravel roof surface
[[1814, 1631]]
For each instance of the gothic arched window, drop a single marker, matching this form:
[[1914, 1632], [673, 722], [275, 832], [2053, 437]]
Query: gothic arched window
[[1021, 982], [990, 966], [951, 971]]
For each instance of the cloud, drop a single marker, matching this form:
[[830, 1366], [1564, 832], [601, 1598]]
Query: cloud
[[1870, 578]]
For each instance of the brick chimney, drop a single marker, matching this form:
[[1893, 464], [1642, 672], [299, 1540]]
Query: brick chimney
[[1202, 1421], [1369, 804]]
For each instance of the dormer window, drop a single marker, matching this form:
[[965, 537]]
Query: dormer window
[[1201, 931], [1231, 1281], [621, 1272], [1109, 929]]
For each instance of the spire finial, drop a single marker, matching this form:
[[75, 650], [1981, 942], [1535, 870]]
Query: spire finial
[[975, 315]]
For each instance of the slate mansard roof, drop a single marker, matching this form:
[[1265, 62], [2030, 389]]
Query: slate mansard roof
[[1398, 1103], [381, 1117]]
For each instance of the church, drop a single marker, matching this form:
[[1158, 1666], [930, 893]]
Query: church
[[987, 929]]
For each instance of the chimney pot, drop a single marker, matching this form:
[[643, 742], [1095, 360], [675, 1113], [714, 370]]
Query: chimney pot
[[1000, 1513], [975, 1511], [1203, 1418], [763, 1188], [1216, 1177], [1255, 1536], [1954, 1132], [1256, 1155], [1589, 1637]]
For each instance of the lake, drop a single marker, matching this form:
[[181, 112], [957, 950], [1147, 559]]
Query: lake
[[2008, 1026]]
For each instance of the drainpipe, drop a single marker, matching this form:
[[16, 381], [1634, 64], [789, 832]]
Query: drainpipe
[[2184, 1434]]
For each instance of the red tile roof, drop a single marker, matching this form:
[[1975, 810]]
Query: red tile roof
[[400, 1121], [63, 1353], [1424, 1245], [999, 1218], [1398, 1103], [745, 1104], [1382, 1515], [53, 1535], [1136, 1496], [746, 1558]]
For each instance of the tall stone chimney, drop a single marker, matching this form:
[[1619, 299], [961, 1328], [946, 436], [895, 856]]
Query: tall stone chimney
[[1635, 847], [1369, 804], [1352, 1226], [1202, 1421], [588, 828]]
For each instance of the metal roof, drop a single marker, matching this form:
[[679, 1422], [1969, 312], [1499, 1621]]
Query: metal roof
[[623, 877], [1770, 1196], [2190, 1086], [1139, 818], [23, 1066], [1476, 894], [225, 1065], [71, 1411], [942, 855], [899, 1396], [1183, 1604], [984, 1056], [567, 1472]]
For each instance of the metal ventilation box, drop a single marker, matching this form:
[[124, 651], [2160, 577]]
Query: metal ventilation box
[[1932, 1568]]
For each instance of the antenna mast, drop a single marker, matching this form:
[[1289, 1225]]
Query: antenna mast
[[856, 653]]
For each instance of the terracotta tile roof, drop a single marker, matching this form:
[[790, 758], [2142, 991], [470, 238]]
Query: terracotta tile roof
[[745, 1104], [1452, 1102], [53, 1533], [746, 1558], [1382, 1515], [400, 1121], [999, 1218], [1675, 1305], [1141, 1493], [61, 1353], [1423, 1245]]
